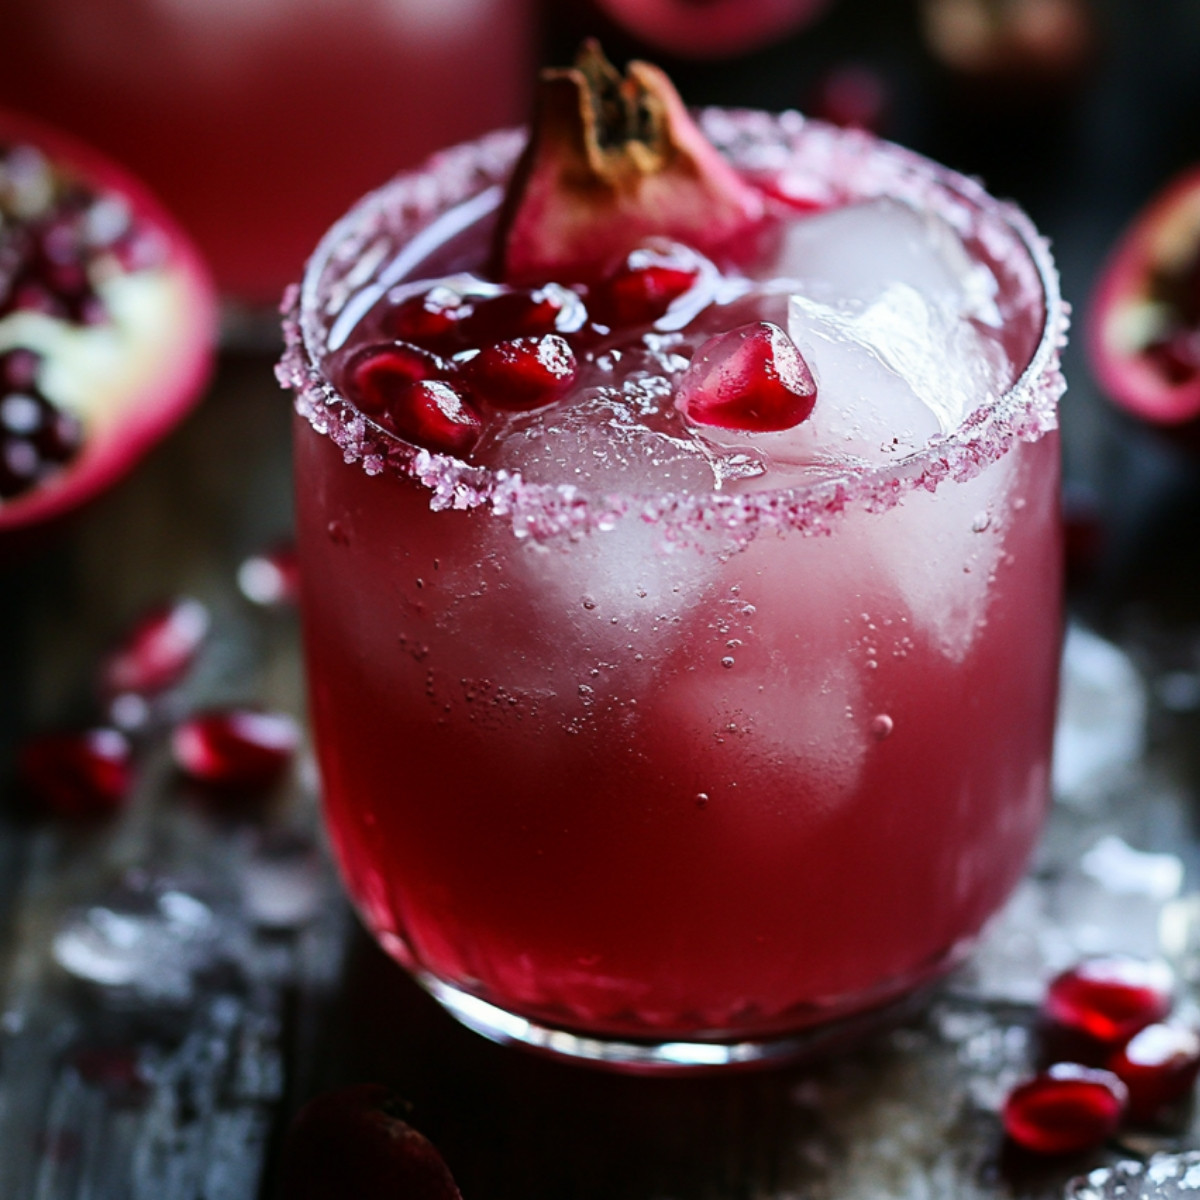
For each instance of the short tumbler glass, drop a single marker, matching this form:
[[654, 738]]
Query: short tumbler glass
[[681, 780]]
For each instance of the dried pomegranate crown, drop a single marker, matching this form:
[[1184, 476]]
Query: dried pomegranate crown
[[612, 160]]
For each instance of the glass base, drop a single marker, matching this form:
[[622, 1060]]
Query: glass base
[[668, 1057]]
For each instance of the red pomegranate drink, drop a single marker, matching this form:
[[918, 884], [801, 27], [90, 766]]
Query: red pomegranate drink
[[681, 570]]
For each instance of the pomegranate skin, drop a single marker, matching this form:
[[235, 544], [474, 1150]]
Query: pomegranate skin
[[352, 1142], [1168, 228], [171, 370], [715, 28]]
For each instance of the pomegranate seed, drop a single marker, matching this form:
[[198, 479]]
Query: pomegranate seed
[[523, 373], [377, 376], [435, 415], [1109, 999], [19, 370], [1158, 1065], [20, 466], [238, 749], [271, 578], [751, 378], [158, 651], [644, 286], [1065, 1109], [549, 309], [78, 775], [1178, 356], [429, 319]]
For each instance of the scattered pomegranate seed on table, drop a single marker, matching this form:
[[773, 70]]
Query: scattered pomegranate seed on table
[[77, 775], [236, 749], [1110, 998], [1159, 1066], [271, 578], [1065, 1109], [158, 651], [1116, 1007]]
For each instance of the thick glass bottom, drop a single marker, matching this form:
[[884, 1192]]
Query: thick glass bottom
[[673, 1057]]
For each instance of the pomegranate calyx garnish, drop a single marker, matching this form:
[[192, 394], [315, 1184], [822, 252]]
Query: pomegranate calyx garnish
[[750, 378], [612, 160]]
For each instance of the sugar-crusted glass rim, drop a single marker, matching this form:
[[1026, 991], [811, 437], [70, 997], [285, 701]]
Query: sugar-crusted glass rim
[[805, 157]]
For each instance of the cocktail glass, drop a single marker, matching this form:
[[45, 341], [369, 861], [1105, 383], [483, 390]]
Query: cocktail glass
[[660, 780]]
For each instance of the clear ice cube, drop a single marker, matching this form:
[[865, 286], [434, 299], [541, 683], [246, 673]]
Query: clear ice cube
[[856, 251]]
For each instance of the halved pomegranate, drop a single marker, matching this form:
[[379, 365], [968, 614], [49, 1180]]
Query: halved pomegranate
[[1143, 334], [107, 323], [712, 28]]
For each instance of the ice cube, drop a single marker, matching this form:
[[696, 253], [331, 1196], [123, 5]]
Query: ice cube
[[1101, 715], [148, 938], [857, 251], [1164, 1177], [607, 441]]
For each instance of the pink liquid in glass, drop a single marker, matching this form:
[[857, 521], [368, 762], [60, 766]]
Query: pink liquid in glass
[[639, 769], [258, 121]]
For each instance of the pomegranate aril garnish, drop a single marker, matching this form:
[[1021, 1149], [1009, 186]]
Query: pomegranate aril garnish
[[238, 749], [750, 378], [377, 376], [77, 775], [434, 415], [429, 319], [1065, 1109], [525, 313], [158, 651], [18, 370], [523, 373], [644, 287], [1108, 999], [1159, 1066]]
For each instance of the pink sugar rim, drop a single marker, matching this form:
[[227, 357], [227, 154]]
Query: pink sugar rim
[[820, 161]]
